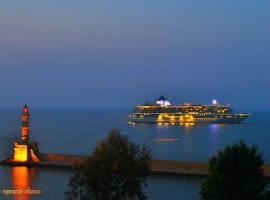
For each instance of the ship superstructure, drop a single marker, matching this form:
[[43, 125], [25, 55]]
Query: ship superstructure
[[162, 111]]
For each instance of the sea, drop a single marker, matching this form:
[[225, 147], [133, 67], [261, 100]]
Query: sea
[[77, 131]]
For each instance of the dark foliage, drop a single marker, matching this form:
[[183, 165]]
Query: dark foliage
[[235, 174], [117, 170]]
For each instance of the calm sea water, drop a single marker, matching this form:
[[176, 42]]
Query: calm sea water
[[76, 131]]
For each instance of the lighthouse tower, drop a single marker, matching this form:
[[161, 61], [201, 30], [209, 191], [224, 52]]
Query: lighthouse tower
[[25, 125], [25, 151]]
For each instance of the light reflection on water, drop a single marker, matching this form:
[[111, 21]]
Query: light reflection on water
[[53, 183], [21, 180], [33, 183], [159, 187]]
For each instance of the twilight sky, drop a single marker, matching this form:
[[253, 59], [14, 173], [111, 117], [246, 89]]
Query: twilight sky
[[103, 53]]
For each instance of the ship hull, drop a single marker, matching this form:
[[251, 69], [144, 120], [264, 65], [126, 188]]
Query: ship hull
[[216, 119]]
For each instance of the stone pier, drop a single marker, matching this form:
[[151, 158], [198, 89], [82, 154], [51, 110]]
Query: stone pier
[[165, 167]]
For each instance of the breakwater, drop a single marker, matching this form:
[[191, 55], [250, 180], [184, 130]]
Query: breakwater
[[166, 167]]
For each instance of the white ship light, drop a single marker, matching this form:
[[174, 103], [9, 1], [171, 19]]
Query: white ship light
[[163, 102], [214, 102]]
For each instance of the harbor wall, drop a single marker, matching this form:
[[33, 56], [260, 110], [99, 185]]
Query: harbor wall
[[166, 167]]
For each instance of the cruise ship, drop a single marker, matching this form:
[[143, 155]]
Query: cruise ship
[[162, 111]]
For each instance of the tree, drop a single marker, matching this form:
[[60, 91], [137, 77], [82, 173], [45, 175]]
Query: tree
[[235, 174], [116, 170]]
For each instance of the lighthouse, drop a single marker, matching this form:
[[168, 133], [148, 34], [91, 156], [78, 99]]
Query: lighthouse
[[25, 125], [24, 150]]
